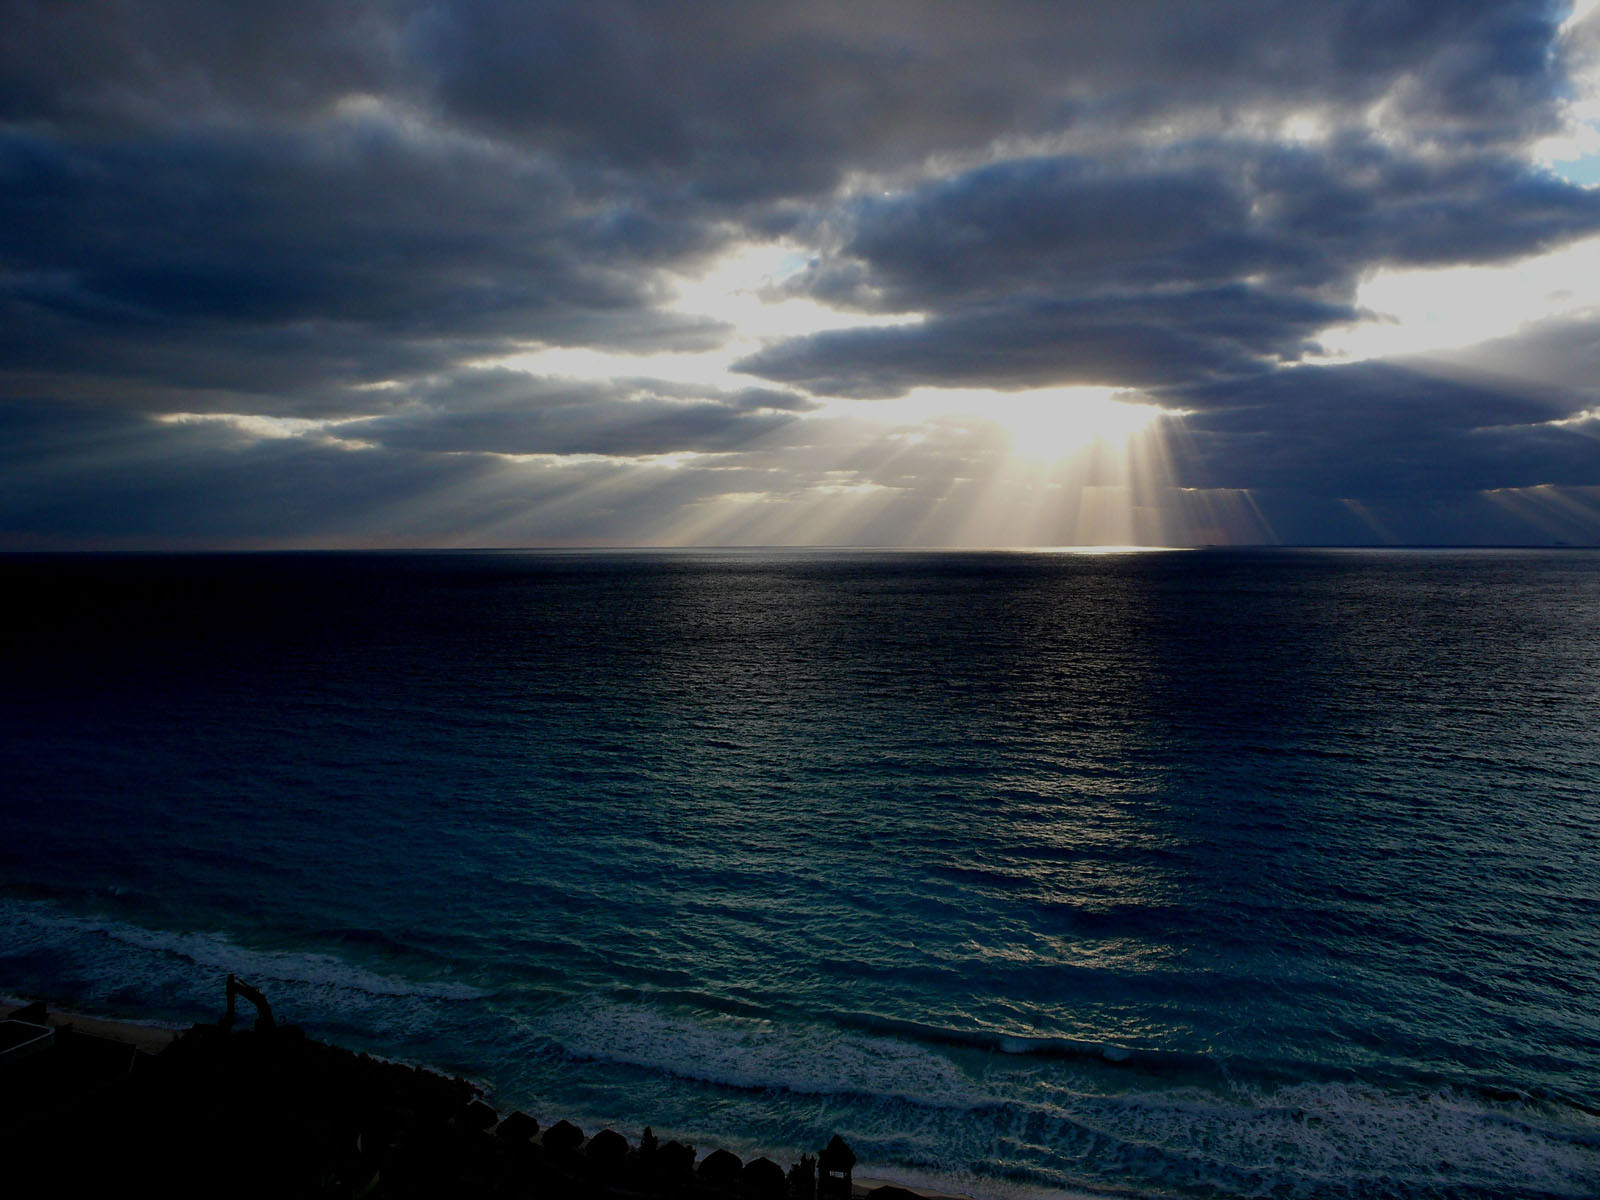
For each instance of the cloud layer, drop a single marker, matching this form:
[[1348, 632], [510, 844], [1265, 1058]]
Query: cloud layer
[[284, 274]]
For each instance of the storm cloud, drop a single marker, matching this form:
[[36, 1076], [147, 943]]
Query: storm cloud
[[294, 273], [1218, 258]]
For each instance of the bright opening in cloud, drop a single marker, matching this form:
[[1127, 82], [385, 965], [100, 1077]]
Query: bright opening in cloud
[[1041, 426], [1418, 311], [1066, 466], [741, 289], [1050, 425], [1574, 152], [255, 426]]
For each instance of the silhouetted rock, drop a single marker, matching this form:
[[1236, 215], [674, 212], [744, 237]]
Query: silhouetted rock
[[518, 1127], [721, 1169], [648, 1143], [479, 1115], [763, 1179], [563, 1138]]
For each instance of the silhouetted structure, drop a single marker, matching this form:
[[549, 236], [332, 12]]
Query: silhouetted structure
[[833, 1169], [237, 987], [518, 1127], [721, 1169], [889, 1192], [675, 1162], [563, 1138], [606, 1153], [306, 1119], [803, 1178], [763, 1180]]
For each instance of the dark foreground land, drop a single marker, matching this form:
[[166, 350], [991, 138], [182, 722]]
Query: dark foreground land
[[269, 1112]]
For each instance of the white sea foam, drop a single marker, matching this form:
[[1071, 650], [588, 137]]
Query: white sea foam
[[288, 966], [1324, 1138], [1048, 1118], [125, 954], [1343, 1131], [756, 1054]]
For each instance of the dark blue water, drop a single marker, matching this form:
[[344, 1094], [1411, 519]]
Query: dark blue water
[[1189, 874]]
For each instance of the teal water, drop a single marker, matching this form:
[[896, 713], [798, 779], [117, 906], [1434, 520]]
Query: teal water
[[1192, 874]]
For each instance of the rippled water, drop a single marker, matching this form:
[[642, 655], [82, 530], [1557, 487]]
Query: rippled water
[[1195, 873]]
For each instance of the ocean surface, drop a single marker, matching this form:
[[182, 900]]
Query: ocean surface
[[1180, 874]]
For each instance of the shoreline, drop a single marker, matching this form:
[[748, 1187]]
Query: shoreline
[[149, 1039]]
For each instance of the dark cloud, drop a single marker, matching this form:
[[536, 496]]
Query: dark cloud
[[115, 66], [1038, 341], [1382, 431], [357, 252], [783, 99], [1197, 212], [91, 476], [1559, 355], [744, 100], [1206, 258], [507, 412], [341, 210], [1426, 452]]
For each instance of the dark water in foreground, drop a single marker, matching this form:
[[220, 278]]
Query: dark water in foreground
[[1191, 873]]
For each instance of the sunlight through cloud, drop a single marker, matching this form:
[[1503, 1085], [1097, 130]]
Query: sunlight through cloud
[[1416, 311], [740, 288]]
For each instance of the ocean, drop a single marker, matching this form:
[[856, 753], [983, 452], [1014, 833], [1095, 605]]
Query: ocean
[[1179, 874]]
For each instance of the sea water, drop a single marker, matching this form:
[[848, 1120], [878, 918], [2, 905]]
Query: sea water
[[1179, 874]]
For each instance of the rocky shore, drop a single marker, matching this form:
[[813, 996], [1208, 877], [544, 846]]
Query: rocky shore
[[268, 1111]]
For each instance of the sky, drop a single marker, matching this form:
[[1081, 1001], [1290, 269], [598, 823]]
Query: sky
[[381, 273]]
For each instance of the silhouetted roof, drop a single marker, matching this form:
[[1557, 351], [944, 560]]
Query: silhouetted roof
[[837, 1155]]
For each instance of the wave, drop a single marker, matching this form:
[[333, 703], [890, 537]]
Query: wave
[[288, 966], [997, 1042], [378, 941], [909, 1104], [125, 956], [688, 998], [1233, 1070], [754, 1054], [1038, 1113]]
